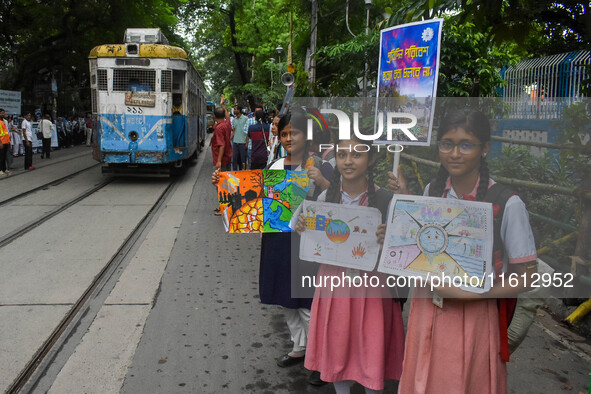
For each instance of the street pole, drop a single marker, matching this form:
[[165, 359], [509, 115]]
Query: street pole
[[313, 35], [366, 67]]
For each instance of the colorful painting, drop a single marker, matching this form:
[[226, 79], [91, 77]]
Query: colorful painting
[[342, 235], [435, 236], [260, 201], [407, 78]]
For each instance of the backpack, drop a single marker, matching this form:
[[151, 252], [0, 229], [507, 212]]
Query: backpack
[[498, 195]]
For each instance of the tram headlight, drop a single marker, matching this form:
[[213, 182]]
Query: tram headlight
[[133, 135]]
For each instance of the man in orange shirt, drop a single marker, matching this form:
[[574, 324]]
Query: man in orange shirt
[[5, 143]]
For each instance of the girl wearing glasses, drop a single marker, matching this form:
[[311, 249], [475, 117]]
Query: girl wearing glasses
[[457, 345]]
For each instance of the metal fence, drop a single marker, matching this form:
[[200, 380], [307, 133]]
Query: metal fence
[[540, 88]]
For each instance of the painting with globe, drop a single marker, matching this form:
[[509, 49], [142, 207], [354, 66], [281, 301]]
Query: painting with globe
[[342, 235], [260, 201]]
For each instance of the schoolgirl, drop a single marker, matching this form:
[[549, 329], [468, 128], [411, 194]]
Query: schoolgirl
[[356, 335], [456, 345], [279, 266]]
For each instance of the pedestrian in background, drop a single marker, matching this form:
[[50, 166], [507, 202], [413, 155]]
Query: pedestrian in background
[[46, 128], [88, 124], [258, 133], [28, 141], [16, 138], [221, 147], [4, 143], [239, 140]]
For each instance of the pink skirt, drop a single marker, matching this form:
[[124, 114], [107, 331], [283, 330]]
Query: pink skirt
[[454, 349], [360, 339]]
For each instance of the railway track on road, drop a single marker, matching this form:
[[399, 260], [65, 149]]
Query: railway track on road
[[65, 327], [45, 185]]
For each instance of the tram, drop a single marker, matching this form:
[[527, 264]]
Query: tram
[[148, 105]]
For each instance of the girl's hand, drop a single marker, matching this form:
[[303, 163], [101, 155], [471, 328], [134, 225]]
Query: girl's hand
[[397, 184], [315, 174], [301, 225], [215, 177], [381, 233]]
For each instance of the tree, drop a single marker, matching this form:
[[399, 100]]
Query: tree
[[52, 39]]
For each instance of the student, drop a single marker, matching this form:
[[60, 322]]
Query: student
[[356, 334], [457, 347], [280, 267]]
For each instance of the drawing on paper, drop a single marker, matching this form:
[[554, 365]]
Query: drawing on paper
[[340, 235], [260, 200], [437, 236]]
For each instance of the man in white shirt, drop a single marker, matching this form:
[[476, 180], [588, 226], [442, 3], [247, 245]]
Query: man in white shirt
[[27, 141], [46, 128]]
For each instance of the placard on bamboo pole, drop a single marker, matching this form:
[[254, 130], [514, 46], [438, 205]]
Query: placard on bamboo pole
[[407, 83]]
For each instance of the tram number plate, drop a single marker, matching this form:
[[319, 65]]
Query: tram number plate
[[135, 110]]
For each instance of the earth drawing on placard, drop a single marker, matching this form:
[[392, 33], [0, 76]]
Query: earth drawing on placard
[[260, 200], [337, 231]]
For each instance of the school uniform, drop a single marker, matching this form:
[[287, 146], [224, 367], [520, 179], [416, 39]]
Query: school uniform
[[355, 333], [456, 349], [281, 271]]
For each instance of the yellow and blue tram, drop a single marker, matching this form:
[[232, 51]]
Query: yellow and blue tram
[[148, 104]]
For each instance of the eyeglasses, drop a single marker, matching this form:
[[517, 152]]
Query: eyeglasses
[[466, 147]]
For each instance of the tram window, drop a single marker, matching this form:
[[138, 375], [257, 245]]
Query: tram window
[[142, 80], [178, 81], [166, 81], [133, 62], [102, 78]]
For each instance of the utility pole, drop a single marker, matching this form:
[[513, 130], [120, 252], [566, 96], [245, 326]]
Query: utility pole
[[313, 35]]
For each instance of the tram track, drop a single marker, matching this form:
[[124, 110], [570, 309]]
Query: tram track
[[54, 182], [64, 329], [53, 163], [8, 238]]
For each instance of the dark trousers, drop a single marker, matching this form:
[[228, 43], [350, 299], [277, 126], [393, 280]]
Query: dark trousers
[[46, 147], [28, 155], [3, 154], [239, 157], [258, 166]]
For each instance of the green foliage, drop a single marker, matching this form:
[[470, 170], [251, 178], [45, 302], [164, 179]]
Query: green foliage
[[547, 169], [470, 61], [576, 130], [42, 38]]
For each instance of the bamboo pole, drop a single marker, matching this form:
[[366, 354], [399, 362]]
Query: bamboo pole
[[569, 191], [570, 147]]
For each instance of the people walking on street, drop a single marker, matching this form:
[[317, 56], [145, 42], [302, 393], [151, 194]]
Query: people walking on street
[[16, 138], [221, 147], [28, 141], [88, 124], [46, 128], [4, 143], [239, 138], [258, 133]]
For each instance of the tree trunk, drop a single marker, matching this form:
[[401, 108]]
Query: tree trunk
[[239, 64]]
